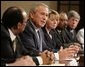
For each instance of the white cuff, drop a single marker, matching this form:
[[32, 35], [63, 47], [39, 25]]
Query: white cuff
[[56, 56], [39, 60], [7, 65]]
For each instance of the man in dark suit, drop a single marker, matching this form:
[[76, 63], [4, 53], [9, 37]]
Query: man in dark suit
[[13, 52], [73, 20], [32, 37]]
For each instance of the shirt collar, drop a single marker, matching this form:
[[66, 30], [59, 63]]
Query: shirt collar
[[59, 31], [12, 36], [71, 30], [36, 29]]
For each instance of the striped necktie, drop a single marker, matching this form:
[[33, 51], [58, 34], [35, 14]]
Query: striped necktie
[[14, 44], [39, 41]]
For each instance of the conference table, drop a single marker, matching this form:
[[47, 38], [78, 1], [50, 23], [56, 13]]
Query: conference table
[[80, 61]]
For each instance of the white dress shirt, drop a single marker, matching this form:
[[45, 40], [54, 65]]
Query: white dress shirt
[[80, 36]]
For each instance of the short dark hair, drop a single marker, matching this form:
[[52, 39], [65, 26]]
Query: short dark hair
[[12, 16]]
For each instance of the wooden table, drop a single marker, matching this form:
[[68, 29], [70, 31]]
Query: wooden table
[[81, 60]]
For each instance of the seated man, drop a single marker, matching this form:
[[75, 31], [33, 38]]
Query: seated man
[[32, 37], [73, 20]]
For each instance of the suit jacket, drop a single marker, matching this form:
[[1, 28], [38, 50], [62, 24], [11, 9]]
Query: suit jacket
[[66, 37], [51, 43], [63, 37], [70, 36], [7, 53], [30, 40]]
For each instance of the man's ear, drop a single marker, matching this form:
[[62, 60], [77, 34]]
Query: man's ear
[[31, 14], [18, 25]]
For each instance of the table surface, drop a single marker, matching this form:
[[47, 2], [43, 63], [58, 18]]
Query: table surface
[[54, 65]]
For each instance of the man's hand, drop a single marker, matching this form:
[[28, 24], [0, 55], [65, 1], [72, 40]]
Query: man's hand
[[23, 61], [48, 57], [77, 47], [66, 53]]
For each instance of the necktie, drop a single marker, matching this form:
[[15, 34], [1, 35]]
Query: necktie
[[14, 44], [39, 41], [38, 35], [72, 33]]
